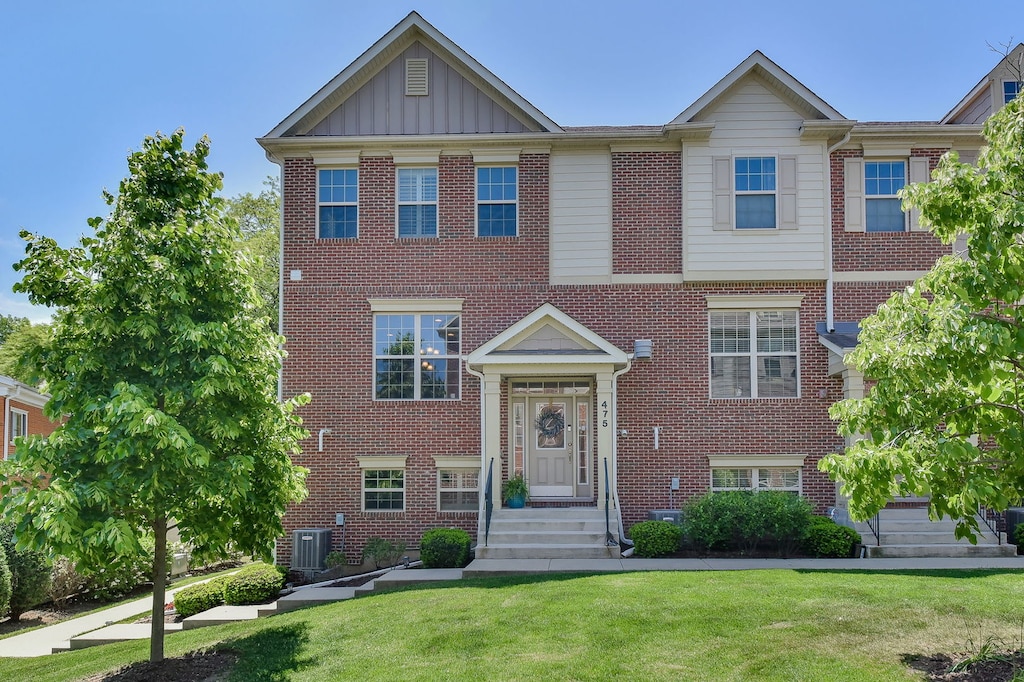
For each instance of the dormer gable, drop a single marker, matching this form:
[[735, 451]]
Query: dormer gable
[[413, 81], [769, 74], [989, 95]]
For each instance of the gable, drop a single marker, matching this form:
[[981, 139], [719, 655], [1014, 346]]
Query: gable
[[453, 104], [986, 97], [547, 338], [753, 95]]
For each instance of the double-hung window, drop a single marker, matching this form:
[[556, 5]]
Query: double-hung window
[[496, 201], [755, 186], [1010, 90], [883, 211], [458, 489], [753, 354], [757, 478], [416, 356], [338, 203], [18, 419], [417, 202]]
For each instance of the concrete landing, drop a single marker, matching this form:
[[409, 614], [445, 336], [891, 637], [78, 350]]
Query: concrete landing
[[314, 596], [220, 615], [118, 633]]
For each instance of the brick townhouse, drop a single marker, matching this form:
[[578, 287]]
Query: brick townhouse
[[629, 316], [22, 412]]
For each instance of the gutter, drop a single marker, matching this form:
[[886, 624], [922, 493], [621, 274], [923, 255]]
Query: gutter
[[830, 321], [483, 450], [615, 445]]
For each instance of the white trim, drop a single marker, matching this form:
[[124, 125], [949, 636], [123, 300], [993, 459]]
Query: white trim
[[382, 462], [496, 157], [457, 461], [718, 275], [754, 302], [415, 157], [346, 158], [754, 461], [415, 305], [886, 152], [22, 416]]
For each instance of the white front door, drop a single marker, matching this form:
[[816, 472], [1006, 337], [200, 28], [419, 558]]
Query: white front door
[[550, 446]]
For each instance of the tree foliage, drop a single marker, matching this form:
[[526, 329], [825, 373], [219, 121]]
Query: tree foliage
[[9, 324], [167, 375], [259, 217], [945, 415], [19, 352]]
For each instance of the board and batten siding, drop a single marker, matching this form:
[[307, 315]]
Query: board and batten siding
[[754, 121], [581, 217], [453, 104]]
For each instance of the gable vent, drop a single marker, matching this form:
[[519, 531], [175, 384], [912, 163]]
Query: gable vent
[[416, 76]]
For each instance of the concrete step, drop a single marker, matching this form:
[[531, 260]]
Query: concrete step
[[584, 513], [545, 537], [543, 551], [949, 550], [930, 537], [913, 524], [526, 526], [313, 596], [118, 633], [220, 615]]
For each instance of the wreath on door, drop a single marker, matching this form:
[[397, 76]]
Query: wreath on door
[[550, 422]]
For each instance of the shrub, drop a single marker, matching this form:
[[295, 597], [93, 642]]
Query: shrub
[[445, 548], [826, 538], [65, 581], [383, 553], [743, 520], [335, 559], [254, 584], [122, 575], [194, 599], [655, 538], [30, 574], [5, 582]]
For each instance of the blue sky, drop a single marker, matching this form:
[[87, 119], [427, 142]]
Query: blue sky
[[83, 83]]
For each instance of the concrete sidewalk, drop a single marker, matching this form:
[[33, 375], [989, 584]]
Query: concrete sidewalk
[[43, 641]]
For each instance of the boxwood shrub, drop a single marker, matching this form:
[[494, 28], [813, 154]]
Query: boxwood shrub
[[194, 599], [29, 574], [253, 584], [746, 521], [826, 538], [445, 548], [655, 538]]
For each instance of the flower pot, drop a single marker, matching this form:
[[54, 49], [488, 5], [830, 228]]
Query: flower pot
[[517, 502]]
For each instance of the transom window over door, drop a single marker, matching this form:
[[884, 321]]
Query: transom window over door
[[416, 357], [417, 202], [772, 354], [755, 192]]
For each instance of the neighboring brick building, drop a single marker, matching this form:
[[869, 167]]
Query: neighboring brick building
[[656, 311], [22, 412]]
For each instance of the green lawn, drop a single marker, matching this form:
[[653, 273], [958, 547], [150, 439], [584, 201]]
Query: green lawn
[[743, 625]]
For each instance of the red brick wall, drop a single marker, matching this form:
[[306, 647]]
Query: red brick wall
[[853, 251], [37, 421], [647, 213]]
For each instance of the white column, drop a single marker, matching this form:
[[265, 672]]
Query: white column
[[492, 433], [605, 441]]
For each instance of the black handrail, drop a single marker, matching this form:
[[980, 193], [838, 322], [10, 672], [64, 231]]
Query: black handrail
[[876, 528], [983, 514], [609, 539], [488, 502]]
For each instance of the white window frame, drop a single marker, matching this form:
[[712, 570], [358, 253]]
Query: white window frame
[[868, 198], [382, 463], [754, 465], [774, 193], [752, 353], [460, 465], [19, 417], [419, 201], [320, 204], [496, 202]]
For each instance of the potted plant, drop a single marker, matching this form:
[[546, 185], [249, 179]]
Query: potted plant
[[515, 492]]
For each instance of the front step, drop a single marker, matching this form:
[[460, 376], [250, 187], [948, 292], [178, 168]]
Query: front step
[[909, 533], [547, 533]]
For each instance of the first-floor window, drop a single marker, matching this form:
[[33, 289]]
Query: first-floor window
[[416, 357], [785, 479], [19, 423], [753, 354], [458, 489], [383, 489]]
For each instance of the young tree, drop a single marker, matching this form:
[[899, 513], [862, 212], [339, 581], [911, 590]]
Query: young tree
[[259, 216], [167, 377], [9, 324], [945, 416], [18, 352]]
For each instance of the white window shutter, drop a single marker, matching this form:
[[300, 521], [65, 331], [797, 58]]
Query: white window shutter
[[853, 187], [722, 185], [416, 76], [787, 193], [918, 173]]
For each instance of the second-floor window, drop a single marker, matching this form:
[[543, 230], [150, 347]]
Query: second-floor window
[[19, 423], [417, 202], [338, 203], [496, 201], [755, 192], [883, 211], [416, 357], [1010, 90]]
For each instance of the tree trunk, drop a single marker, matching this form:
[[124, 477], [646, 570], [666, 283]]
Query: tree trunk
[[156, 635]]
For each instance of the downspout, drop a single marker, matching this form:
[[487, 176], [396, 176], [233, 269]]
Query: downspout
[[7, 423], [483, 450], [830, 323], [615, 445]]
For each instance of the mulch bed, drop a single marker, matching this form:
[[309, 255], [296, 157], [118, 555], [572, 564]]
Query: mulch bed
[[198, 666], [937, 668]]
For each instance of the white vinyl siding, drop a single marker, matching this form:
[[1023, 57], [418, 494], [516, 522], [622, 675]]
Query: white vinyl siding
[[581, 234], [752, 121]]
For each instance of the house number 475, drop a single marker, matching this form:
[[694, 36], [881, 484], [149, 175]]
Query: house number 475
[[604, 414]]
